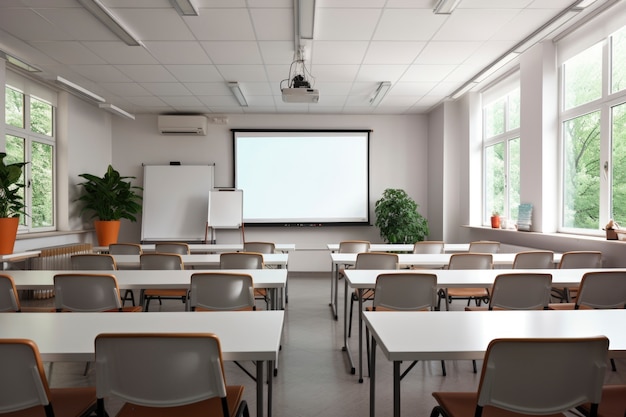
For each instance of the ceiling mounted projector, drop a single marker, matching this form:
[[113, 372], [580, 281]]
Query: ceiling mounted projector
[[300, 95]]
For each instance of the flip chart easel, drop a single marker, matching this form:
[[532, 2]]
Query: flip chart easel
[[225, 211]]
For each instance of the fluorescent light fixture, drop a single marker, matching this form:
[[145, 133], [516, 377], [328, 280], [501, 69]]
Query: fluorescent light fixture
[[306, 23], [116, 110], [463, 89], [445, 6], [585, 3], [96, 8], [78, 90], [185, 7], [380, 93], [234, 88], [18, 62]]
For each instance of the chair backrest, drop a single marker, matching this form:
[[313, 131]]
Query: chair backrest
[[542, 376], [515, 291], [86, 292], [376, 260], [172, 247], [581, 259], [354, 246], [125, 249], [9, 299], [241, 260], [220, 291], [259, 247], [93, 262], [471, 261], [484, 246], [603, 289], [428, 246], [536, 259], [156, 261], [22, 379], [185, 369], [406, 291]]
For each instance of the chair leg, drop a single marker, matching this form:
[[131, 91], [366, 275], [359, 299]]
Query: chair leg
[[613, 367], [474, 365], [147, 303], [350, 321], [129, 295], [443, 368]]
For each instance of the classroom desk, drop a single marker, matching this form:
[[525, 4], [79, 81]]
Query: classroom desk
[[466, 335], [362, 279], [136, 279], [244, 336], [423, 260], [19, 257], [204, 260], [209, 247]]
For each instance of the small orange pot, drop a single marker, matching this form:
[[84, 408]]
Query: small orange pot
[[8, 232], [107, 231], [495, 222]]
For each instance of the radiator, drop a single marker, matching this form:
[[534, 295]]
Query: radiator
[[56, 258]]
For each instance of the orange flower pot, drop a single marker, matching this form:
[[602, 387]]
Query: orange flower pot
[[107, 231], [8, 232], [495, 222]]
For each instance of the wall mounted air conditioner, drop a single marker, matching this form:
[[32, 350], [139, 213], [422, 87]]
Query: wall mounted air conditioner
[[195, 125]]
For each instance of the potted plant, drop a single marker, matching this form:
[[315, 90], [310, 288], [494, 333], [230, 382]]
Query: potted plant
[[11, 202], [110, 198], [398, 219], [495, 220]]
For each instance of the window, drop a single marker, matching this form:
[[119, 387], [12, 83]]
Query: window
[[29, 123], [501, 150], [593, 136]]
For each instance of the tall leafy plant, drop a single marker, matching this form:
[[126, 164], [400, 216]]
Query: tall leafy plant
[[110, 197], [11, 196], [398, 219]]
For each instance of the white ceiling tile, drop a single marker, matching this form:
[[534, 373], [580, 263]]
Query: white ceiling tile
[[233, 52], [120, 53], [180, 52], [392, 52], [276, 51], [474, 25], [373, 72], [125, 89], [154, 24], [222, 25], [408, 25], [166, 89], [78, 23], [27, 25], [446, 52], [147, 73], [427, 72], [242, 73], [411, 89], [69, 52], [194, 73], [330, 24], [335, 73], [101, 73], [182, 101], [273, 24], [146, 101], [340, 52]]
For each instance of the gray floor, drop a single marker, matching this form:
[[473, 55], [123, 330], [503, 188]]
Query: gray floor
[[313, 377]]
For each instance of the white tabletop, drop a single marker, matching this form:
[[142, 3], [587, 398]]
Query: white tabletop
[[135, 279], [404, 247], [203, 260], [428, 259], [209, 247]]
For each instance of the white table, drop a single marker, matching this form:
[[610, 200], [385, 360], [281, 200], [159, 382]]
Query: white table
[[136, 279], [244, 336], [18, 257], [209, 247], [362, 279], [466, 335], [279, 260]]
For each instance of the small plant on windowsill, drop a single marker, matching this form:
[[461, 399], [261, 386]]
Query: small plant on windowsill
[[495, 219]]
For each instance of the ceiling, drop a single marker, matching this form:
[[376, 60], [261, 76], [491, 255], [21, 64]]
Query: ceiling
[[185, 63]]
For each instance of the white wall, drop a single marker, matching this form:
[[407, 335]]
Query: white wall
[[398, 159]]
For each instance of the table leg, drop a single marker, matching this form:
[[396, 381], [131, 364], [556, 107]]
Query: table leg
[[345, 327], [373, 379], [396, 388], [260, 381], [334, 284], [269, 387], [360, 295]]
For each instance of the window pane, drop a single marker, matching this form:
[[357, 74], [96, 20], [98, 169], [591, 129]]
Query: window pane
[[40, 117], [514, 178], [618, 133], [618, 61], [583, 77], [494, 178], [494, 119], [14, 108], [15, 153], [42, 198], [581, 172]]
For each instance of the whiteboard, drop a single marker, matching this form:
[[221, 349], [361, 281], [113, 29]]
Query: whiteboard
[[225, 208], [175, 202]]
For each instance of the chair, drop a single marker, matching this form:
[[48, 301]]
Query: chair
[[466, 261], [370, 260], [260, 247], [126, 249], [404, 291], [10, 300], [484, 246], [246, 260], [522, 377], [172, 247], [428, 246], [162, 261], [598, 290], [612, 404], [25, 390], [220, 291], [536, 259], [519, 291], [88, 293], [93, 262], [183, 377], [576, 260]]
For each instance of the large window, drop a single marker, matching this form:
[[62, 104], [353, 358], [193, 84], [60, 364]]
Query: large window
[[29, 122], [501, 153], [593, 136]]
